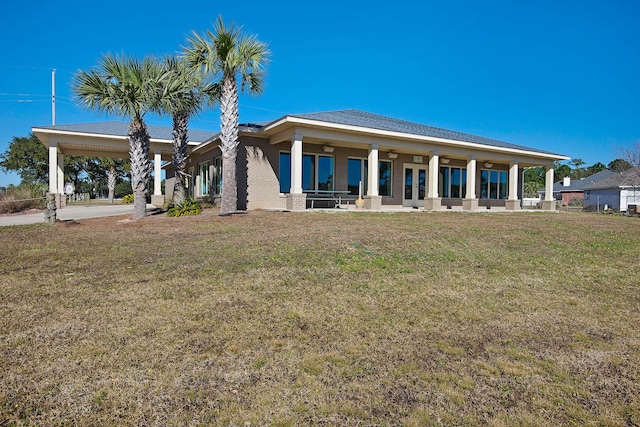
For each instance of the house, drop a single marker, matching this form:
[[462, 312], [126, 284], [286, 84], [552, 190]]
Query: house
[[299, 161], [616, 192], [570, 189]]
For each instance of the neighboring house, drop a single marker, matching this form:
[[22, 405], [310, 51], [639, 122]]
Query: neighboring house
[[302, 160], [616, 192], [569, 189]]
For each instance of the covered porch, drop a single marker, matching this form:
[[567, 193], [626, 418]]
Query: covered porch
[[413, 171], [102, 140]]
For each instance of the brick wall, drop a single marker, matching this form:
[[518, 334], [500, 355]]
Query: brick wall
[[262, 182]]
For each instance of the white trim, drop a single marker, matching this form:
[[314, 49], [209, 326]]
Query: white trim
[[403, 135], [105, 136]]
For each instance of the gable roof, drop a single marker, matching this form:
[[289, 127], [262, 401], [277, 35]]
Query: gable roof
[[122, 129], [581, 184], [626, 179], [363, 119]]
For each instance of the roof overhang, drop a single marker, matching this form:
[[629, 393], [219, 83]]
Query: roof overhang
[[283, 129], [97, 145]]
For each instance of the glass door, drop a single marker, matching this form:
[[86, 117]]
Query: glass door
[[415, 185]]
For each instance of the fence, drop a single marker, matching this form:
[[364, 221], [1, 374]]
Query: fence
[[78, 197]]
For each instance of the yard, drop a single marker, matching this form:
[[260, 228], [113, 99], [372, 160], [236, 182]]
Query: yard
[[290, 319]]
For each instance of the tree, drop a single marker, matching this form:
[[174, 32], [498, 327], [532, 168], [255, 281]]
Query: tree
[[104, 173], [578, 172], [228, 54], [28, 157], [619, 165], [561, 171], [631, 155], [124, 87], [595, 168], [534, 179], [181, 95]]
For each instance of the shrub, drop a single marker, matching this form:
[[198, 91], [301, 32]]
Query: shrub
[[127, 199], [576, 202], [23, 197], [187, 207], [122, 189]]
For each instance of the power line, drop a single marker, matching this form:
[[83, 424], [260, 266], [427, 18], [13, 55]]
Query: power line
[[21, 94]]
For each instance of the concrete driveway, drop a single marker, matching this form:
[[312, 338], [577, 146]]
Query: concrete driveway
[[72, 212]]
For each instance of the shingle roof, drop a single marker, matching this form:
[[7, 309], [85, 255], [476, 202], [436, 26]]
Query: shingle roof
[[375, 121], [628, 178], [121, 129], [581, 184]]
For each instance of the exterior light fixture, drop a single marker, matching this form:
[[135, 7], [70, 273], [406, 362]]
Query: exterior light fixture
[[327, 148], [444, 160], [392, 155], [488, 165]]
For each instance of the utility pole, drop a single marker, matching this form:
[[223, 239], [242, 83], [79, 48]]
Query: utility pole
[[53, 97]]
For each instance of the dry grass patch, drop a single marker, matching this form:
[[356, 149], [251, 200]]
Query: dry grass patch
[[322, 319]]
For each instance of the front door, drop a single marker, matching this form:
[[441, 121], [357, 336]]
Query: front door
[[415, 185]]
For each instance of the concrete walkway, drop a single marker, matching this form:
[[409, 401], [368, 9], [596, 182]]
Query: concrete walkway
[[72, 212]]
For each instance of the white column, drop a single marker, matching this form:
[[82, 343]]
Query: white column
[[60, 173], [53, 168], [513, 181], [548, 184], [471, 178], [432, 186], [157, 172], [296, 164], [373, 178]]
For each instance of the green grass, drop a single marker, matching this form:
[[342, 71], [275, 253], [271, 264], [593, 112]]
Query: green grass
[[289, 319]]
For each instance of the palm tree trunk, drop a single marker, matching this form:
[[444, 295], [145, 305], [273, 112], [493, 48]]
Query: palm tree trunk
[[229, 143], [139, 148], [180, 122], [111, 183]]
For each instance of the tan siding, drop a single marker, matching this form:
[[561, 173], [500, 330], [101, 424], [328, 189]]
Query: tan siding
[[262, 165]]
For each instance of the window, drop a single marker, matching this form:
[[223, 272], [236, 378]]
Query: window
[[452, 182], [325, 173], [216, 182], [203, 179], [493, 184], [285, 172], [385, 177], [358, 171], [317, 172]]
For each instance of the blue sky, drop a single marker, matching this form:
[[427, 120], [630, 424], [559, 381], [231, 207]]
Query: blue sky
[[550, 74]]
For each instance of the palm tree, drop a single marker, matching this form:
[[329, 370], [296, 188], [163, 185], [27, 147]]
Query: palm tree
[[111, 182], [180, 93], [124, 87], [228, 55]]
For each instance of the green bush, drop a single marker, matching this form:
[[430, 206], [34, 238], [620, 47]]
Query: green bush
[[187, 207], [122, 189], [127, 199]]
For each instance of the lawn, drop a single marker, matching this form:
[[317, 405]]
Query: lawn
[[290, 319]]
